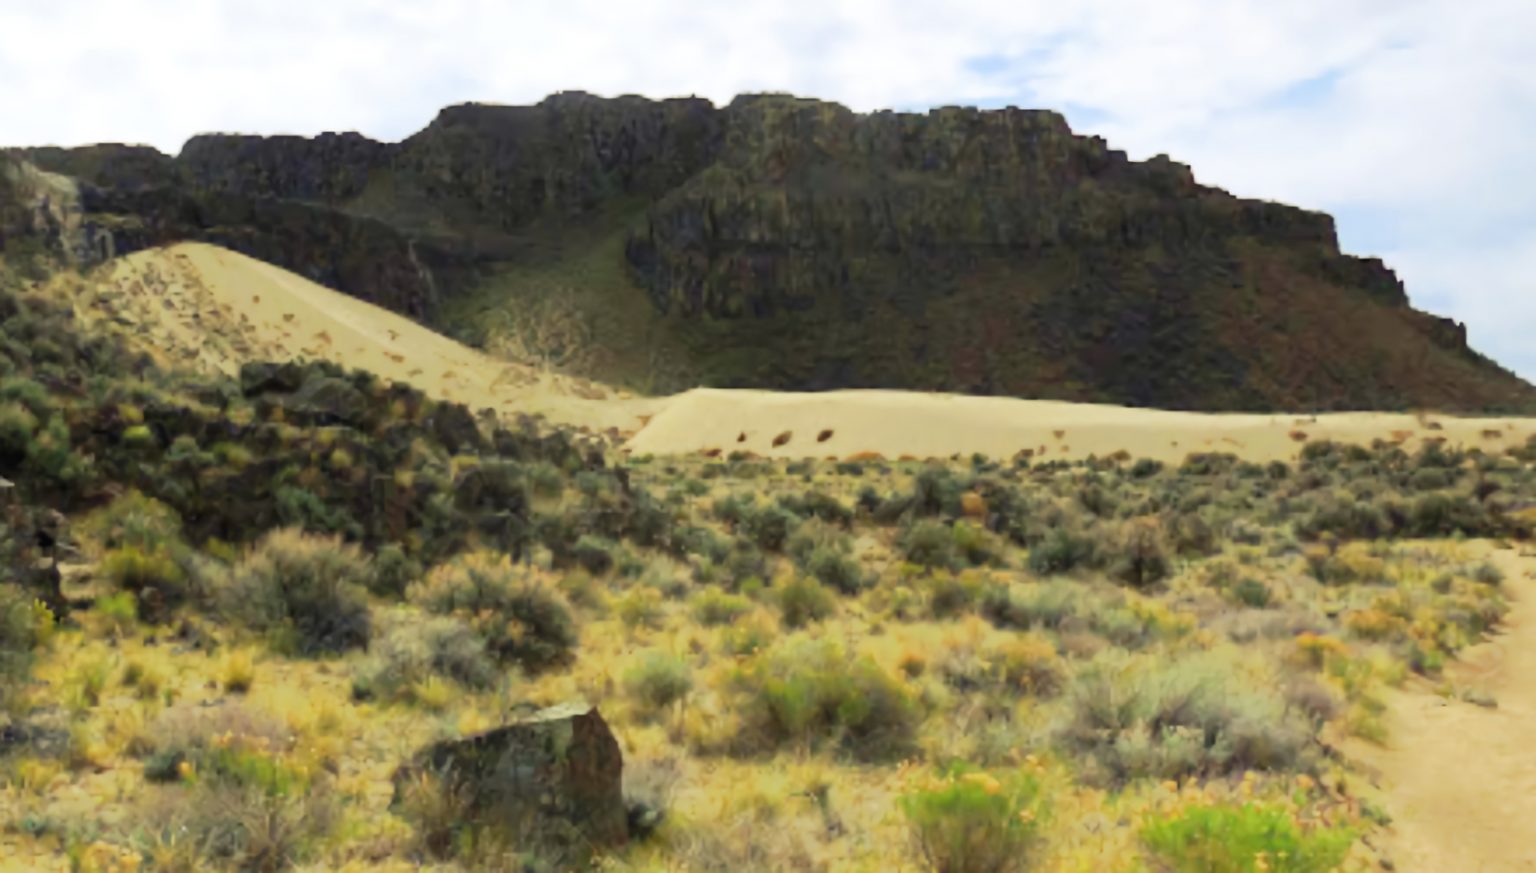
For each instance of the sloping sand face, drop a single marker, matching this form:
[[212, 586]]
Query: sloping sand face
[[208, 307], [894, 424], [204, 306]]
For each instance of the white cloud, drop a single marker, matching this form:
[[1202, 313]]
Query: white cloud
[[1414, 129]]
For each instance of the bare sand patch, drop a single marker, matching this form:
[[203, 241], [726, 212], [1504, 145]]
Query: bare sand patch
[[897, 424], [1460, 778]]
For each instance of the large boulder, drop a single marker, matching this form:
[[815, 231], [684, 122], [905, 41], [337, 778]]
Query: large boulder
[[554, 777]]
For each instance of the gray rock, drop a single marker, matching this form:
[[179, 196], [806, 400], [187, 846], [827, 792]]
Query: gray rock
[[555, 777]]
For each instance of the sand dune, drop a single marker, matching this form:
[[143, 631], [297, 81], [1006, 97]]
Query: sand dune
[[893, 424], [201, 305], [206, 306]]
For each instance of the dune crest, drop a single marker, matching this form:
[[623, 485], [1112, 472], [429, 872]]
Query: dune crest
[[214, 309]]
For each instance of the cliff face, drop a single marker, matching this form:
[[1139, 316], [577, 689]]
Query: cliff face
[[790, 243]]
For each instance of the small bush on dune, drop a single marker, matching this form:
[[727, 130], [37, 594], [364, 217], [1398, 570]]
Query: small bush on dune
[[412, 652], [811, 692], [1253, 838], [969, 821], [523, 620], [307, 590]]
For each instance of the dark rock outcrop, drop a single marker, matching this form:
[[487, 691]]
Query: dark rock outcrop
[[553, 777], [329, 168]]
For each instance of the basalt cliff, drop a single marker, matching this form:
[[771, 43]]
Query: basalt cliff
[[788, 243]]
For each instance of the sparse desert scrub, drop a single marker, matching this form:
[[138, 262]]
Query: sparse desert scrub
[[415, 650], [1249, 838], [808, 692], [971, 821], [308, 592], [657, 680], [782, 632], [523, 619], [25, 625], [1193, 716]]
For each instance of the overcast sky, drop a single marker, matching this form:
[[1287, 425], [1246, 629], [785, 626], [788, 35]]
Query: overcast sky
[[1413, 121]]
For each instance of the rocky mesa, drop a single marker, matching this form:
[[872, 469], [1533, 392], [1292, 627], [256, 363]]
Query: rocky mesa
[[789, 243]]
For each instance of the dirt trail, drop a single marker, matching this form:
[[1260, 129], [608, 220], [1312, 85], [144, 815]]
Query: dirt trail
[[1460, 779]]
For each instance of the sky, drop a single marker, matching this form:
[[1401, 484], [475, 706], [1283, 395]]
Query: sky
[[1411, 121]]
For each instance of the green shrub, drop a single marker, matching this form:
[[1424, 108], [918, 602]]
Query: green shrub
[[24, 625], [769, 526], [522, 619], [973, 822], [1061, 551], [712, 607], [1252, 593], [1345, 518], [1252, 838], [545, 480], [641, 607], [836, 569], [401, 662], [929, 543], [156, 577], [658, 680], [308, 591], [133, 520], [120, 611], [803, 600], [949, 595], [811, 692], [1181, 718], [394, 571], [302, 508], [1138, 552], [745, 562], [144, 553], [1039, 605], [17, 428], [974, 545], [818, 505], [703, 542], [594, 554], [1444, 514]]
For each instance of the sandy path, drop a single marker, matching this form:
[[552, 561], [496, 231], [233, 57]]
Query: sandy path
[[1460, 780]]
